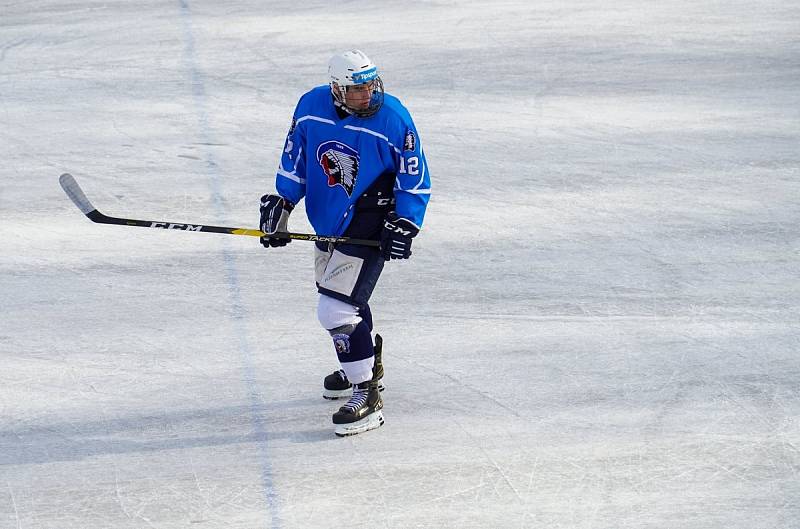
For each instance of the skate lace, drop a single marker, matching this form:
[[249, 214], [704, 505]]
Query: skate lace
[[342, 375], [358, 399]]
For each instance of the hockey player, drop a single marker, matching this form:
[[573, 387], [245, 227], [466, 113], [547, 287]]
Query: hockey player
[[354, 154]]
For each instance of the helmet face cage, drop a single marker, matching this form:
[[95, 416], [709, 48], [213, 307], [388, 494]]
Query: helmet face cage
[[375, 101]]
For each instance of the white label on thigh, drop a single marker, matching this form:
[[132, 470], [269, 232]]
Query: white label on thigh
[[341, 273], [321, 259]]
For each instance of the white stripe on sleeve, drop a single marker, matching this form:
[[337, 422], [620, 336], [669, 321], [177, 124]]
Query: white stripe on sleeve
[[315, 118]]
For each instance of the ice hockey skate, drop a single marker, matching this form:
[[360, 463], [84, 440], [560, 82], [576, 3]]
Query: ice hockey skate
[[361, 413], [336, 384]]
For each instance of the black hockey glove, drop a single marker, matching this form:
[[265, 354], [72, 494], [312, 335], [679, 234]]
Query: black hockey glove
[[274, 218], [396, 237]]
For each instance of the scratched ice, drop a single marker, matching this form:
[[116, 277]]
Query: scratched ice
[[598, 327]]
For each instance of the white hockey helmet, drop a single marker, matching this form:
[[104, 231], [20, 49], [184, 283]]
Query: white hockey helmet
[[354, 68]]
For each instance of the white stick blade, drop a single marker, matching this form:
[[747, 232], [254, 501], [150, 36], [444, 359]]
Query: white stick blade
[[75, 193]]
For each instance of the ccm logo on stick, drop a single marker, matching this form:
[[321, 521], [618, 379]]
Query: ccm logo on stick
[[171, 226]]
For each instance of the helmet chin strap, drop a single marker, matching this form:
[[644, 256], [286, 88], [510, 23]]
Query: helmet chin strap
[[338, 103], [342, 107]]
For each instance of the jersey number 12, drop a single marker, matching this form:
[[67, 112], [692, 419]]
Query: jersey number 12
[[413, 165]]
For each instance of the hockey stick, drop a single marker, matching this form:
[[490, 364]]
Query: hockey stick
[[76, 194]]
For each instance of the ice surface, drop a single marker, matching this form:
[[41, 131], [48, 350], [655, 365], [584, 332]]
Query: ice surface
[[598, 327]]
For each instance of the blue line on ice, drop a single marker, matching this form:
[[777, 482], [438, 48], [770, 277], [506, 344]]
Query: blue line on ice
[[245, 350]]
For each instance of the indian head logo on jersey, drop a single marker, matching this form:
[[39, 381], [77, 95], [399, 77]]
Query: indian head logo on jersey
[[340, 164], [410, 143]]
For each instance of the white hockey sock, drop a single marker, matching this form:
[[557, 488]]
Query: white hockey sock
[[359, 371]]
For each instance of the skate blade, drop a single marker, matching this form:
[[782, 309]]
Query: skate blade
[[374, 420], [332, 394]]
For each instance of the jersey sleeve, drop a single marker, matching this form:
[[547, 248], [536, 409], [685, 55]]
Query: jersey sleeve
[[290, 181], [412, 188]]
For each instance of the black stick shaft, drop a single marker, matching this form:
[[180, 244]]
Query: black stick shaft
[[79, 198]]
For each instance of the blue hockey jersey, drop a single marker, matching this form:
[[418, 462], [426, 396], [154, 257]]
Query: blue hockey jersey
[[331, 161]]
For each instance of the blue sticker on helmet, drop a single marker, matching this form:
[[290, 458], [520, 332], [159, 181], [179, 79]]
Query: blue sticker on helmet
[[365, 76]]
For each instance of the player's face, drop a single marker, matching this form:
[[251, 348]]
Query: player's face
[[358, 96]]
